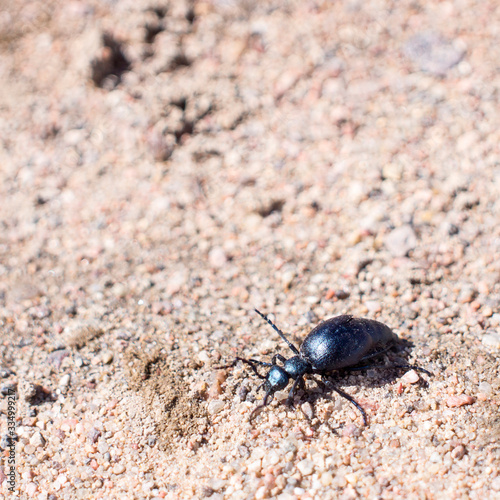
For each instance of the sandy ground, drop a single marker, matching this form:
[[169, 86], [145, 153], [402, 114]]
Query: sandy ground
[[166, 167]]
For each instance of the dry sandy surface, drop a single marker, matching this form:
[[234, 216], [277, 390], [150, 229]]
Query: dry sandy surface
[[168, 166]]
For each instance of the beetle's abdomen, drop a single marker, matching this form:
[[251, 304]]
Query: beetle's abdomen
[[344, 341]]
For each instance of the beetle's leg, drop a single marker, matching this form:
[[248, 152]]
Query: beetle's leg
[[280, 333], [260, 387], [319, 383], [375, 354], [352, 401], [365, 367], [413, 367], [251, 362], [278, 356], [296, 382], [265, 402]]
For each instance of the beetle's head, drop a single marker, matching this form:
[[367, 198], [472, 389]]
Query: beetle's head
[[277, 379]]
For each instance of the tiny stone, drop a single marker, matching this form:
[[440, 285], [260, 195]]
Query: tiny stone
[[29, 449], [401, 240], [31, 489], [410, 377], [107, 357], [485, 388], [204, 357], [217, 257], [37, 440], [5, 442], [487, 311], [118, 469], [491, 339], [215, 406], [462, 400], [287, 279], [306, 467], [56, 358], [351, 478], [5, 372], [94, 435], [495, 484], [27, 390], [307, 410], [458, 452], [351, 430], [64, 380], [432, 53], [272, 458], [326, 478]]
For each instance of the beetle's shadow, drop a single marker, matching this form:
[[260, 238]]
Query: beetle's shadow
[[384, 370]]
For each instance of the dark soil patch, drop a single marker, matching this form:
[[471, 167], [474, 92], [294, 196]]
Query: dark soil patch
[[163, 384]]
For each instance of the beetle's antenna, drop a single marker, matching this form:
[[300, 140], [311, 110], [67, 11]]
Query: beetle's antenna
[[280, 333], [251, 362], [265, 402]]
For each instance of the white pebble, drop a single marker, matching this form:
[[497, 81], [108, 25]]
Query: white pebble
[[37, 440], [491, 339], [107, 357], [215, 406], [306, 467], [410, 377], [271, 458], [485, 388], [64, 381], [118, 469]]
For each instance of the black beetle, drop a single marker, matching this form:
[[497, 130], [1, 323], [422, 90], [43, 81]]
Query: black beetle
[[338, 343]]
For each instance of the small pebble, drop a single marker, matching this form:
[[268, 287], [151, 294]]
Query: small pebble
[[31, 489], [118, 469], [326, 478], [107, 357], [410, 377], [495, 484], [215, 406], [458, 452], [217, 257], [307, 409], [94, 435], [306, 467], [485, 388], [351, 430], [5, 372], [491, 339], [27, 390], [351, 478], [401, 241], [65, 380], [462, 400]]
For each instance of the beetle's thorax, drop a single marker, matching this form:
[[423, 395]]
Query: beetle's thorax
[[297, 367]]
